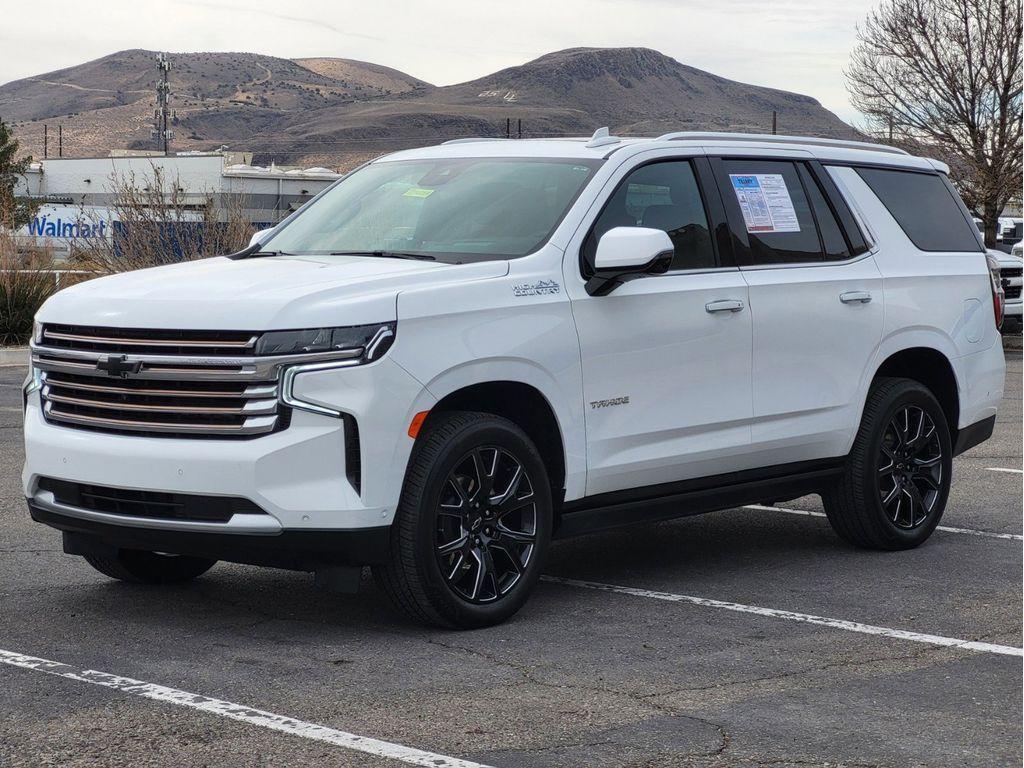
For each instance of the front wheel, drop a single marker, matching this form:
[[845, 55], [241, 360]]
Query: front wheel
[[473, 524], [896, 481]]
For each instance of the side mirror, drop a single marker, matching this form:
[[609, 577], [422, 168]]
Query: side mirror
[[258, 236], [625, 253]]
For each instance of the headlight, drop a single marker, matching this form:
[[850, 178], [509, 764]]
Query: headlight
[[372, 341]]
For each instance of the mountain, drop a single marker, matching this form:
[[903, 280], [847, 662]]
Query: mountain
[[639, 90], [334, 111], [384, 79]]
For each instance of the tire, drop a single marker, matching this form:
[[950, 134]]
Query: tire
[[141, 567], [895, 484], [470, 536]]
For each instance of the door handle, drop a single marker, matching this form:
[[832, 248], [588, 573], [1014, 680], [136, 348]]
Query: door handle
[[855, 297], [725, 305]]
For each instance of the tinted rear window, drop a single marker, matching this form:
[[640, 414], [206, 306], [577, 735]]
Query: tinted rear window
[[924, 206]]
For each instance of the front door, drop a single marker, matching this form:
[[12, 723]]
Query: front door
[[666, 358]]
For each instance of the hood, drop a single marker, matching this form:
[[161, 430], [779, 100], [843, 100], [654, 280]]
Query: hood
[[255, 294], [1005, 259]]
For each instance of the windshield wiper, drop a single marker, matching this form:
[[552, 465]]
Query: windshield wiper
[[268, 254], [387, 255]]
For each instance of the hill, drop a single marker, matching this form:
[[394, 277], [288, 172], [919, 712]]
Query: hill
[[334, 111]]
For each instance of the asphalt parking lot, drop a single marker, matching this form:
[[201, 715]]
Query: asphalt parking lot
[[748, 637]]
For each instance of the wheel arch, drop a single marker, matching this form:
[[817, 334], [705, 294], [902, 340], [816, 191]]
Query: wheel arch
[[931, 368], [525, 405]]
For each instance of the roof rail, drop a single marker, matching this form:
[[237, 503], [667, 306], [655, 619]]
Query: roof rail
[[474, 140], [774, 139]]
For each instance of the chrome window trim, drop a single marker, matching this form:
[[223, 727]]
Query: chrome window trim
[[806, 264]]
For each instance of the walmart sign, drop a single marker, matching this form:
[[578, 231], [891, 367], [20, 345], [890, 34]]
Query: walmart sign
[[68, 223]]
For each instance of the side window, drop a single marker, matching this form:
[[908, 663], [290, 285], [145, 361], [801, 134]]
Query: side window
[[660, 196], [924, 206], [836, 247], [775, 210]]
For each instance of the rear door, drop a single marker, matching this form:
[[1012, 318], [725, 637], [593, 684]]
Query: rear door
[[816, 303]]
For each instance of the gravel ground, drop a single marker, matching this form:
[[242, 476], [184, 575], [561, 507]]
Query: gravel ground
[[580, 677]]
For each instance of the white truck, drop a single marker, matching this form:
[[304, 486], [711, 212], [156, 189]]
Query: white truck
[[456, 354]]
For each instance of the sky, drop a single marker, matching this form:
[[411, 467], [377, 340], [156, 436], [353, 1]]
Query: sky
[[794, 45]]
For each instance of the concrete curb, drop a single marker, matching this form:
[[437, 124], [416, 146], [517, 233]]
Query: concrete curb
[[14, 356]]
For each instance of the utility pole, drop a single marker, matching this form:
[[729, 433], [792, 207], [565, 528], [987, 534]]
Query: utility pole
[[775, 122], [162, 114], [508, 127], [520, 127], [60, 140], [46, 141]]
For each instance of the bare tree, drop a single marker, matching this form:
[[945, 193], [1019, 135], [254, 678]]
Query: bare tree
[[944, 78], [157, 223]]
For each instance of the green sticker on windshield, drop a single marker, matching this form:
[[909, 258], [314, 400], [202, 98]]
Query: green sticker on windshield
[[418, 192]]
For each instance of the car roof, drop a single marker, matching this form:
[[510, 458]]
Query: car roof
[[603, 145]]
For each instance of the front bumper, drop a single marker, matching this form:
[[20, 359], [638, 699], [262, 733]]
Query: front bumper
[[295, 550], [297, 475]]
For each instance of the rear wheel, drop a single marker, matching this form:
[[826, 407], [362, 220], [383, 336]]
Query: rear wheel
[[473, 524], [137, 566], [894, 488]]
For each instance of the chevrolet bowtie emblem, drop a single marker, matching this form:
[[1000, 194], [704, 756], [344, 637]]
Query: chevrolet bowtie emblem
[[118, 366]]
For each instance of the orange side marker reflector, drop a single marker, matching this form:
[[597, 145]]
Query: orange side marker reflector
[[416, 423]]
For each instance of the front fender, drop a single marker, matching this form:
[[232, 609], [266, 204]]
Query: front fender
[[458, 336]]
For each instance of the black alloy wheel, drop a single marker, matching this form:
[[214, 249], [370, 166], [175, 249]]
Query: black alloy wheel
[[895, 481], [486, 524], [910, 467], [473, 525]]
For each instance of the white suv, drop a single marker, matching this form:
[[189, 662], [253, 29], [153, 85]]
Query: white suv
[[456, 354]]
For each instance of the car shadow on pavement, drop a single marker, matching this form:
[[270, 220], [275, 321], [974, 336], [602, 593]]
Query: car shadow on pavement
[[691, 552]]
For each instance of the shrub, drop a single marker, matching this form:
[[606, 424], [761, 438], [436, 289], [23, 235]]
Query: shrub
[[25, 283]]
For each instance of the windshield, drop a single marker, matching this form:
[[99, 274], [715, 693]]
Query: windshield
[[452, 210]]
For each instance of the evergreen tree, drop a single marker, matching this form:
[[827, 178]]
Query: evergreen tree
[[14, 211]]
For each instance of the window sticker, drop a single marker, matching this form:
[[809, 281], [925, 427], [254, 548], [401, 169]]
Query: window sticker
[[418, 192], [765, 202]]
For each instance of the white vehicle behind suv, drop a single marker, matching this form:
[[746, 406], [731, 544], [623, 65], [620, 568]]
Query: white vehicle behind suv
[[458, 353], [1011, 277]]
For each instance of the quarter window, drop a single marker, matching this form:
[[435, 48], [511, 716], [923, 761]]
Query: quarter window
[[924, 206], [660, 196]]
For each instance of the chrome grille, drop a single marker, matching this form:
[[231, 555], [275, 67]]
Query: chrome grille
[[141, 341], [165, 383], [155, 405]]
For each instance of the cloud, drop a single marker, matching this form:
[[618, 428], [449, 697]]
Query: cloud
[[248, 9]]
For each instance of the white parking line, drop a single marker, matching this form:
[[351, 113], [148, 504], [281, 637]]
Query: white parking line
[[238, 712], [1005, 469], [946, 528], [849, 626]]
